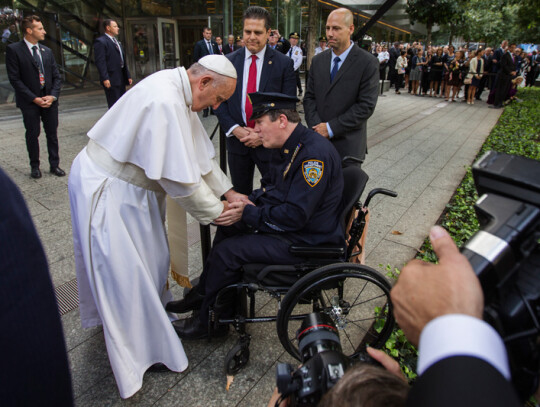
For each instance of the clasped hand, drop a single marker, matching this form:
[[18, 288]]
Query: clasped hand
[[44, 102], [233, 208], [247, 136]]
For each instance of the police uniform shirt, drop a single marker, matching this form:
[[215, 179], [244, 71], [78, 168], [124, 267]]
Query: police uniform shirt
[[295, 53], [301, 195], [318, 50]]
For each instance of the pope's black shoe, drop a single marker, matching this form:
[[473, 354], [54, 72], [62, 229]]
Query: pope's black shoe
[[158, 368], [192, 328], [59, 172], [193, 300], [35, 173]]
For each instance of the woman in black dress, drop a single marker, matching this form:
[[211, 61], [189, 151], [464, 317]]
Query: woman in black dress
[[458, 70], [436, 72], [447, 60]]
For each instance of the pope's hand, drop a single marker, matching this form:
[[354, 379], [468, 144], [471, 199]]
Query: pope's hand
[[232, 196], [425, 291], [231, 215]]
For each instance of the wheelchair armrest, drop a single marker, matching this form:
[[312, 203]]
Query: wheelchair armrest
[[317, 252]]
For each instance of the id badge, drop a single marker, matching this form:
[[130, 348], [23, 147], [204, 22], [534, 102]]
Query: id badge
[[42, 80]]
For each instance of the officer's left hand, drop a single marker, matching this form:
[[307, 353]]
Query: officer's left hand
[[321, 129], [252, 139]]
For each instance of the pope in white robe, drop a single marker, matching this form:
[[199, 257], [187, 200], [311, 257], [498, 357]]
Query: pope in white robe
[[149, 145]]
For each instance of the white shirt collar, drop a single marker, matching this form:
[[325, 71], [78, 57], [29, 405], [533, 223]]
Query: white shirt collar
[[186, 86], [111, 37], [343, 55], [30, 45], [260, 54]]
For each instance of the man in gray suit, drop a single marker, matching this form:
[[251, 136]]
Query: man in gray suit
[[342, 88]]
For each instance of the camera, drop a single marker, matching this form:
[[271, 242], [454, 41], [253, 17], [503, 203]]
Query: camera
[[323, 362], [505, 255]]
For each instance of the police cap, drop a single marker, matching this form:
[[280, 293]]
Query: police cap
[[294, 35], [322, 39], [263, 102]]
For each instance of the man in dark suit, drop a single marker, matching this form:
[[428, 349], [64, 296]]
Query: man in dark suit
[[202, 48], [110, 60], [504, 77], [33, 73], [462, 359], [219, 43], [342, 88], [496, 62], [34, 370], [394, 53], [259, 69], [229, 47]]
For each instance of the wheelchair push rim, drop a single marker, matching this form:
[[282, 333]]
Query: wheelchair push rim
[[356, 297]]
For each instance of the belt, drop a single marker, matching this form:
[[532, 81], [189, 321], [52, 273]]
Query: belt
[[127, 172]]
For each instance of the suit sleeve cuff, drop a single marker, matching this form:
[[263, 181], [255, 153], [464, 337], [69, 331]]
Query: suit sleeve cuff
[[251, 216], [229, 133], [461, 335], [330, 132]]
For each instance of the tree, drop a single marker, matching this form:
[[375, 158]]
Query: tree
[[431, 12]]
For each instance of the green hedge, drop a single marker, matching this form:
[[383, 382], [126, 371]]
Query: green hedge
[[517, 132]]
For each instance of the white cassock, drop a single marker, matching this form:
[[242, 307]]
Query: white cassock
[[148, 146]]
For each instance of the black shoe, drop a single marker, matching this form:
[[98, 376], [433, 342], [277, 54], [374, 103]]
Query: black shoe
[[299, 93], [192, 328], [193, 300], [59, 172], [35, 173], [158, 368], [212, 112]]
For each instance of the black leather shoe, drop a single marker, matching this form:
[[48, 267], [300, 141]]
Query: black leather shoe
[[192, 301], [59, 172], [35, 173], [192, 328]]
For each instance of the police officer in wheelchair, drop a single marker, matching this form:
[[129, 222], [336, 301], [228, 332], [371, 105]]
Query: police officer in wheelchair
[[299, 202]]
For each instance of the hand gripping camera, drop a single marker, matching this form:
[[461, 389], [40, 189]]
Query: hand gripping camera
[[505, 255]]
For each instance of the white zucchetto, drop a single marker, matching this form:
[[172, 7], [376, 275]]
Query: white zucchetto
[[219, 64]]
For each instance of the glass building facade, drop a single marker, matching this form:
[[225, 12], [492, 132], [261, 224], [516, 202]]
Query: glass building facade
[[156, 34]]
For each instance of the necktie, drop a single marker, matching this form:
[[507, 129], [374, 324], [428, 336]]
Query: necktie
[[251, 87], [334, 69], [290, 53], [119, 50], [210, 51], [40, 66]]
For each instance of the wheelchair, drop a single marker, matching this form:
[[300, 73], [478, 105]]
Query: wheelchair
[[355, 296]]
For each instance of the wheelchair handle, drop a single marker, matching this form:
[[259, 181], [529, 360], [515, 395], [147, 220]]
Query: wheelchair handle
[[376, 191]]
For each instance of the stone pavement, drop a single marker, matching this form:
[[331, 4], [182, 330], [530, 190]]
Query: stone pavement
[[418, 146]]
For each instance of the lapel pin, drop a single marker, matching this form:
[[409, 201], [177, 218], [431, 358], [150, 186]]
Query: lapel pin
[[269, 62]]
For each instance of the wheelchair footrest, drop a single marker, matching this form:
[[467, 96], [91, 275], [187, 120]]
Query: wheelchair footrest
[[318, 252]]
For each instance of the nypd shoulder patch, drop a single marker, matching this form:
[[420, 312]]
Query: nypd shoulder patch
[[313, 171]]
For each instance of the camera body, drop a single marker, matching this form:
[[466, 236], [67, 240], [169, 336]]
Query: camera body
[[323, 362], [505, 255]]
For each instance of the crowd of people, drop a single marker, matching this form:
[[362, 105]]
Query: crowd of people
[[444, 71]]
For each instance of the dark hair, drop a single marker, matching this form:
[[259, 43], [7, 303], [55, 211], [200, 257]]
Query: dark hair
[[367, 386], [402, 52], [291, 115], [28, 21], [258, 13], [107, 22], [206, 28], [513, 44]]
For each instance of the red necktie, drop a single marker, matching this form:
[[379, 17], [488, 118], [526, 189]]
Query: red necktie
[[251, 88]]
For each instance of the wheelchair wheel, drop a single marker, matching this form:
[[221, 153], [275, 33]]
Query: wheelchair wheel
[[356, 297], [236, 358]]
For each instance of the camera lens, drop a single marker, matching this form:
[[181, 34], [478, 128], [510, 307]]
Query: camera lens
[[317, 334]]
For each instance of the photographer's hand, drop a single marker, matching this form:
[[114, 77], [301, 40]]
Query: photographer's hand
[[426, 291], [388, 362]]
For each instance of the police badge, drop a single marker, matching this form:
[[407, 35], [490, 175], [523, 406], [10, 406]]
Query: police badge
[[313, 171]]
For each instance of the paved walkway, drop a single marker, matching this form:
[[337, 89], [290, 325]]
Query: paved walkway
[[418, 146]]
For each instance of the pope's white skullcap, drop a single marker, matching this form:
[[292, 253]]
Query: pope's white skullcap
[[219, 64]]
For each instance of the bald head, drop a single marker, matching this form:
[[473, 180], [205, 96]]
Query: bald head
[[339, 28]]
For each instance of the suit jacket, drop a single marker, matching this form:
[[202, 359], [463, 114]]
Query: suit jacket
[[462, 381], [201, 50], [347, 102], [394, 55], [108, 62], [23, 73], [277, 76], [34, 368], [507, 64], [227, 49], [497, 55]]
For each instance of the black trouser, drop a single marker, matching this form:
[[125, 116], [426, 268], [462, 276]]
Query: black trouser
[[502, 87], [298, 81], [113, 94], [242, 168], [399, 81], [233, 247], [392, 75], [483, 82], [49, 116]]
